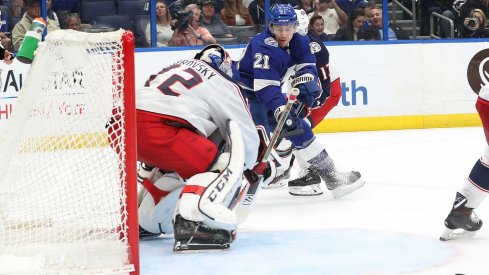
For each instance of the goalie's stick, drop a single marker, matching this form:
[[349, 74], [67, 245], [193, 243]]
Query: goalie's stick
[[247, 195]]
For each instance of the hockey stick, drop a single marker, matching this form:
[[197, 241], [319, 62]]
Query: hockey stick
[[247, 195]]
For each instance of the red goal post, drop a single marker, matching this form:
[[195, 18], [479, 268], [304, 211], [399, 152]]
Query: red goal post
[[68, 194]]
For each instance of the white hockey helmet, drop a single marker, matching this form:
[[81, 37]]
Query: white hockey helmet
[[217, 56], [302, 22]]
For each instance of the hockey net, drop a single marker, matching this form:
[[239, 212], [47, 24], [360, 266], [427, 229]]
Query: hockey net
[[67, 165]]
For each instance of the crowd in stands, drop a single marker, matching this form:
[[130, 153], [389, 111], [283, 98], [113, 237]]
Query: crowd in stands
[[201, 22]]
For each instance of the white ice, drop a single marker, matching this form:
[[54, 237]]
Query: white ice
[[390, 226]]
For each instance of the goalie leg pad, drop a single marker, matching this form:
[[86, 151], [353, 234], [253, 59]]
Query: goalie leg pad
[[208, 197], [156, 210]]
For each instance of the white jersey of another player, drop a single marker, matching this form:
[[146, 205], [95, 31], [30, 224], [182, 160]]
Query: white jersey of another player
[[192, 90]]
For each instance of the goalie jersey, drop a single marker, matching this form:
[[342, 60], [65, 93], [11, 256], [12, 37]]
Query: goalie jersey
[[264, 65], [193, 91]]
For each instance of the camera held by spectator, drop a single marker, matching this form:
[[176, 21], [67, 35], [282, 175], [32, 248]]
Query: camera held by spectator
[[473, 23], [183, 18]]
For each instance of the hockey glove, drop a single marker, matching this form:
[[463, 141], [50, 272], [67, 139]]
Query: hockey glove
[[293, 122], [309, 91]]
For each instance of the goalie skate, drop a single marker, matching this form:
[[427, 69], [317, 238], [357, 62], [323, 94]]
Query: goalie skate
[[307, 184], [461, 222], [342, 184], [190, 235]]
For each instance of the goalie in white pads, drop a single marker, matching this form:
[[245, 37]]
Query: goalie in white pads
[[462, 220], [195, 128]]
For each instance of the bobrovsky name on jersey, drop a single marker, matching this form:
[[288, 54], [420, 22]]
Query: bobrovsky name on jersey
[[353, 94]]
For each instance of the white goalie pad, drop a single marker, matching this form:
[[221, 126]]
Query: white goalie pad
[[156, 217], [207, 197]]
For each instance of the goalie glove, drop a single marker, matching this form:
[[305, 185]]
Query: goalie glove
[[308, 87]]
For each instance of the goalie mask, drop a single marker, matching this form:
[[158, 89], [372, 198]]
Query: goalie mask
[[216, 56]]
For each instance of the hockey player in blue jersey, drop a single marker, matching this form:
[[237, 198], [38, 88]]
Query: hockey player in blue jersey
[[262, 69]]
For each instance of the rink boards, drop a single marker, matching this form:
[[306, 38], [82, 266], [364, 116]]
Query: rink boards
[[384, 86]]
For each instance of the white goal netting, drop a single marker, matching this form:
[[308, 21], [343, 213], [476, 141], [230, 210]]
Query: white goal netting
[[63, 164]]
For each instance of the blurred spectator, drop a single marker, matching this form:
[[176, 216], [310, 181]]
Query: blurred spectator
[[306, 5], [17, 8], [256, 8], [475, 25], [426, 8], [316, 27], [64, 7], [73, 22], [33, 10], [394, 32], [187, 30], [353, 30], [235, 13], [334, 17], [453, 13], [211, 21], [469, 5], [5, 28], [164, 30], [349, 5]]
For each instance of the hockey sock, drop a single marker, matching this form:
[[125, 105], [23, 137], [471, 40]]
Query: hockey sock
[[476, 187], [315, 155]]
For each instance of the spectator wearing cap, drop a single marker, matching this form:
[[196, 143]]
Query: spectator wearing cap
[[334, 17], [235, 13], [33, 10], [211, 21], [164, 30]]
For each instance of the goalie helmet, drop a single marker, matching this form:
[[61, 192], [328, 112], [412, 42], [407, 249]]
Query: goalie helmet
[[217, 56]]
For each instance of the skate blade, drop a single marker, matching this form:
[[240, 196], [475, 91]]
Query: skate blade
[[185, 247], [345, 190], [310, 190], [275, 185], [456, 234]]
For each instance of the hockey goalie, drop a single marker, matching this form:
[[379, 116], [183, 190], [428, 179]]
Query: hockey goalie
[[195, 139]]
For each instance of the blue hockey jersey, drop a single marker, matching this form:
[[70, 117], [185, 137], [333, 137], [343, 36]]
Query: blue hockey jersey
[[264, 65]]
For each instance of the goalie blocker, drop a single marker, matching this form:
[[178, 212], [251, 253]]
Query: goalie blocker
[[202, 215]]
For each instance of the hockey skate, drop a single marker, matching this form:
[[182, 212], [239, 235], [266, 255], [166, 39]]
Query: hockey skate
[[461, 222], [190, 235], [144, 234], [279, 180], [342, 183], [307, 184]]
